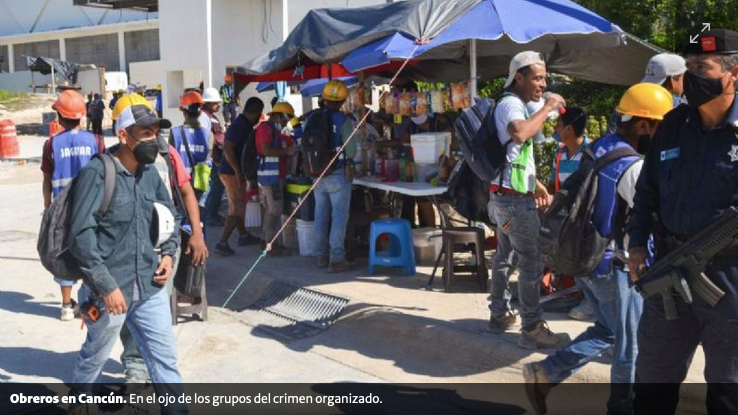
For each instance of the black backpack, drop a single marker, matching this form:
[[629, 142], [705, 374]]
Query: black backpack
[[478, 140], [568, 240], [469, 195], [249, 157], [53, 237], [316, 147]]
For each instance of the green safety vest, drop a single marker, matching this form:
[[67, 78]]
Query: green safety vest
[[524, 165]]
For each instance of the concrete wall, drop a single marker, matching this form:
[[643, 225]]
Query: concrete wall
[[47, 48], [142, 46], [99, 50], [20, 81], [147, 73]]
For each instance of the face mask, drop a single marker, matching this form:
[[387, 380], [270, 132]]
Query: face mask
[[700, 90], [557, 137], [145, 152]]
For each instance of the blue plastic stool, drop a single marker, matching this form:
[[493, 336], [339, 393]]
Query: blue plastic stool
[[400, 253]]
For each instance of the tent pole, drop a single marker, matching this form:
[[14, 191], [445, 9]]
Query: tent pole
[[473, 68]]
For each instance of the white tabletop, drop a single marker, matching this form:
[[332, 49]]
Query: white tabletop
[[406, 188]]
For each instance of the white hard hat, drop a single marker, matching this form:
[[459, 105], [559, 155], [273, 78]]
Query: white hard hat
[[162, 225], [211, 95]]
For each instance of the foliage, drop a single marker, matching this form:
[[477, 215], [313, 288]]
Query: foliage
[[7, 95]]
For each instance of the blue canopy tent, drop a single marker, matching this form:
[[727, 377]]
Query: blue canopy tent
[[309, 88], [573, 40]]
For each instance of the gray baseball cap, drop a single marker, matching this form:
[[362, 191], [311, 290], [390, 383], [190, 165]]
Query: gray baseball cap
[[520, 61], [663, 66]]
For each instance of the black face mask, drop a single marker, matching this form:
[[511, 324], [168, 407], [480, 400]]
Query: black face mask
[[644, 140], [145, 152], [700, 90]]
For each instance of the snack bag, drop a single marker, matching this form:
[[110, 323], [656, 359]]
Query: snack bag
[[460, 95], [447, 104], [421, 104], [436, 98], [391, 103], [406, 108]]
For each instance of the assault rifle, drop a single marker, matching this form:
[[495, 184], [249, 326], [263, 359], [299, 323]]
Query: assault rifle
[[682, 269]]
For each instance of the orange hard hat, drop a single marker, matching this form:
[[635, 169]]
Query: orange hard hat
[[228, 78], [191, 98], [70, 104]]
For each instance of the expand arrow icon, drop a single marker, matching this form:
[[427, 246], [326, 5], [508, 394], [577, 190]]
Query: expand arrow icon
[[705, 26]]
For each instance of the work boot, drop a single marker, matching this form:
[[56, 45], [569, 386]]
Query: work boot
[[499, 325], [323, 262], [540, 337], [223, 249], [537, 386], [340, 266]]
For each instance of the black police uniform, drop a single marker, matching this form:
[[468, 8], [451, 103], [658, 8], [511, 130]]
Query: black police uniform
[[689, 176]]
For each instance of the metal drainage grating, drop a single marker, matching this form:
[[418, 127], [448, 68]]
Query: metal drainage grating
[[288, 312]]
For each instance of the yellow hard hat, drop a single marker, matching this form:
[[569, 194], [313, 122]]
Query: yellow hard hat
[[128, 100], [294, 122], [284, 108], [646, 100], [158, 87], [335, 90]]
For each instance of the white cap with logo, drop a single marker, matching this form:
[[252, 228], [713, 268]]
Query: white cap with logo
[[663, 66], [520, 61]]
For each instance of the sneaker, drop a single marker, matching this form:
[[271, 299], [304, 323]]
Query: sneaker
[[247, 239], [537, 386], [223, 249], [67, 311], [340, 266], [583, 311], [540, 337], [323, 262], [499, 325]]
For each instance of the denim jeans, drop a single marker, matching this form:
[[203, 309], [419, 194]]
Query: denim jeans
[[517, 247], [332, 207], [618, 309], [214, 196], [150, 323]]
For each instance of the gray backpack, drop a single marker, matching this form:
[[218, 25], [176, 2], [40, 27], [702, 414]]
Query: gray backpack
[[53, 237]]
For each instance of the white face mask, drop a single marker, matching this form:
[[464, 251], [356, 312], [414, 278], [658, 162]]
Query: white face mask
[[420, 119]]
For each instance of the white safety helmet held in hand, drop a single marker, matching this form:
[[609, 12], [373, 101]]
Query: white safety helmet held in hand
[[162, 225], [211, 95]]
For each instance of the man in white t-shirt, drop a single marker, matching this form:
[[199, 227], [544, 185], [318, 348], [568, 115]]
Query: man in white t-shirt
[[514, 199]]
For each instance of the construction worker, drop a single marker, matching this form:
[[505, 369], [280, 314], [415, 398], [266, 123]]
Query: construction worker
[[618, 307], [159, 104], [64, 155], [230, 102], [192, 140], [116, 96], [333, 192], [214, 196]]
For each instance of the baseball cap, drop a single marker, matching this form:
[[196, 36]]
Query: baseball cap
[[140, 115], [520, 61], [713, 42], [662, 66]]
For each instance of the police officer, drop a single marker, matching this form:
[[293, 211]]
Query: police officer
[[689, 176]]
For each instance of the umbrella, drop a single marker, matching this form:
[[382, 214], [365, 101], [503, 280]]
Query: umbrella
[[328, 35], [310, 88], [573, 40]]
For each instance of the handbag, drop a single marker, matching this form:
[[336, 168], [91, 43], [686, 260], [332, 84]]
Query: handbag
[[189, 279]]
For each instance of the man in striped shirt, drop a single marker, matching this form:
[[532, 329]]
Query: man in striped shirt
[[569, 132]]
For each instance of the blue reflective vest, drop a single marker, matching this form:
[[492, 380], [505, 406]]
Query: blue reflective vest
[[197, 138], [268, 174], [71, 151]]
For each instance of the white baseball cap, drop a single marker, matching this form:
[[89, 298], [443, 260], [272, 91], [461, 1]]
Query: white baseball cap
[[520, 61], [663, 66], [140, 115]]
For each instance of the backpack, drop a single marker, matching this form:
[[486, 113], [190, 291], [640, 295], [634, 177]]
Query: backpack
[[53, 237], [317, 148], [469, 195], [568, 240], [479, 142], [249, 158]]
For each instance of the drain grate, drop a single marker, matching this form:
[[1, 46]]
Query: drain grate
[[288, 312]]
